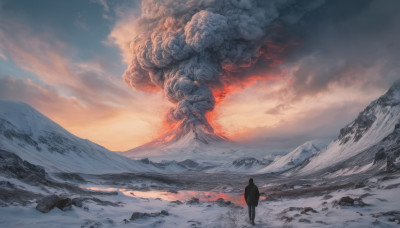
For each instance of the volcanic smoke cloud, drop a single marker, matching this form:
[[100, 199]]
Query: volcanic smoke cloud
[[191, 48]]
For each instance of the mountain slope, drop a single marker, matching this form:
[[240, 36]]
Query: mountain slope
[[35, 138], [179, 145], [292, 159], [375, 128]]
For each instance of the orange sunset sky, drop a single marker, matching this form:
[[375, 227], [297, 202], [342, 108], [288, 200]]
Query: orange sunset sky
[[67, 59]]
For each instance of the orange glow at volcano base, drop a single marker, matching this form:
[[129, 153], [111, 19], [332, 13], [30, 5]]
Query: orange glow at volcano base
[[183, 196]]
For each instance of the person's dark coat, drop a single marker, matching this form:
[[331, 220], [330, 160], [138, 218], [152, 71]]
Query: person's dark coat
[[251, 194]]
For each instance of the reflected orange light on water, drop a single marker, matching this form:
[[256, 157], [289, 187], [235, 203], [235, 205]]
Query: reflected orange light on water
[[183, 195]]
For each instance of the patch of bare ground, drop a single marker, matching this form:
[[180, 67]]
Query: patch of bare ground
[[304, 192]]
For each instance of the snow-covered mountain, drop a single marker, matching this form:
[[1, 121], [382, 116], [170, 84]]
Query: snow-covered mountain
[[377, 128], [37, 139], [293, 158], [179, 145]]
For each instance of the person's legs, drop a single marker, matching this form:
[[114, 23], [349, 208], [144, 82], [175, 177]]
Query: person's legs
[[253, 212], [250, 212]]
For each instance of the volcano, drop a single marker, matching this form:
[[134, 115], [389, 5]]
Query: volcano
[[183, 143]]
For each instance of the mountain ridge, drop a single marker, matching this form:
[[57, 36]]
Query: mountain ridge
[[372, 127], [39, 140]]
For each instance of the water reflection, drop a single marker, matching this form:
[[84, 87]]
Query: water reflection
[[183, 196]]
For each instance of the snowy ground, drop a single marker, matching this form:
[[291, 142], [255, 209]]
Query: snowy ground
[[284, 206]]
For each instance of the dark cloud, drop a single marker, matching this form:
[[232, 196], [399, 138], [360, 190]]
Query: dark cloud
[[346, 43], [189, 48]]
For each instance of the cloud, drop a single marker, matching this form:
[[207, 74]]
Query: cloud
[[346, 43], [3, 56], [123, 31], [82, 95], [194, 50], [103, 3]]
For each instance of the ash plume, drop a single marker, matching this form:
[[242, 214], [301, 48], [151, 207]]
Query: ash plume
[[189, 48]]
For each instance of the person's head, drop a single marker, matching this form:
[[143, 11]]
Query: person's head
[[251, 181]]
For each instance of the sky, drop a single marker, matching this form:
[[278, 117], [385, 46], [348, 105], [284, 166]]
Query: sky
[[67, 59]]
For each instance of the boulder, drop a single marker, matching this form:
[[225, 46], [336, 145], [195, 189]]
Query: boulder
[[222, 203], [302, 210], [177, 202], [346, 201], [304, 220], [308, 209], [47, 203], [286, 219], [78, 202], [64, 204], [139, 215], [193, 201], [380, 155]]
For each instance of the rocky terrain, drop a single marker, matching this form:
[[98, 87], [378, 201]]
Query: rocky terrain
[[51, 178]]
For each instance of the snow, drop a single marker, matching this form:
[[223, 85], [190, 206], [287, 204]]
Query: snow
[[292, 159], [78, 155], [34, 137], [378, 196], [24, 131], [385, 110]]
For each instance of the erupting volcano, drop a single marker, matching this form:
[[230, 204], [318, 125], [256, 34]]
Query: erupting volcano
[[192, 50]]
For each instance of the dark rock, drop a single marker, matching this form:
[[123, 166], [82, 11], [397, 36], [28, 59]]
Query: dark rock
[[13, 166], [304, 220], [189, 163], [164, 212], [286, 218], [380, 155], [78, 202], [177, 202], [248, 162], [327, 197], [322, 222], [193, 201], [64, 204], [105, 203], [222, 203], [302, 210], [387, 213], [47, 203], [346, 201], [139, 215], [91, 224], [71, 177], [360, 185], [308, 209], [392, 186], [390, 165]]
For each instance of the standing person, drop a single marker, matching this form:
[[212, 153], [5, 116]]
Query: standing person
[[251, 196]]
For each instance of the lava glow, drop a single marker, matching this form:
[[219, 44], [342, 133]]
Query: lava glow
[[183, 196]]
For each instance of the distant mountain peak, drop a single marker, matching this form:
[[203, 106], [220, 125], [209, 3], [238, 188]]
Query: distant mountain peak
[[375, 127], [356, 129], [185, 137], [32, 136], [392, 96]]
